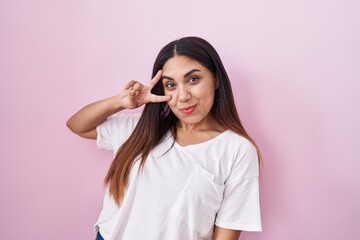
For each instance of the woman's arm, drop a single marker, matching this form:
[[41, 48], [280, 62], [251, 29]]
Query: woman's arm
[[225, 234], [134, 94], [84, 122]]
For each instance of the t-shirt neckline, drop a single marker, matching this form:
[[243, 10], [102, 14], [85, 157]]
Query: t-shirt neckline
[[202, 144]]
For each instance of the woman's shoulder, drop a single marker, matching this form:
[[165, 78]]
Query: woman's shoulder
[[237, 144], [116, 129], [234, 138], [243, 155]]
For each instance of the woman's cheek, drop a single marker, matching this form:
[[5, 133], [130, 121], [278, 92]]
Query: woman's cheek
[[173, 98]]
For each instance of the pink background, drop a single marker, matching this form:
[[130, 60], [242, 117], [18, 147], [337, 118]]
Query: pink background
[[295, 69]]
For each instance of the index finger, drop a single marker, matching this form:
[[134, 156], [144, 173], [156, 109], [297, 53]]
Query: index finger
[[155, 80], [157, 98]]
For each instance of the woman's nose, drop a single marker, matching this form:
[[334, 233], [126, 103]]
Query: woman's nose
[[184, 94]]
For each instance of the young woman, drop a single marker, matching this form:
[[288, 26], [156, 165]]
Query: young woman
[[185, 169]]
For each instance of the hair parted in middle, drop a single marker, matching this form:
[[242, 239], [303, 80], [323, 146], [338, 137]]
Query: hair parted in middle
[[157, 118]]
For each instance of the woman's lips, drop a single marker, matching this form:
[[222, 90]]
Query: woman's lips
[[188, 110]]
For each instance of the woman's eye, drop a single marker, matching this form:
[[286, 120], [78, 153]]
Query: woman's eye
[[193, 79], [169, 85]]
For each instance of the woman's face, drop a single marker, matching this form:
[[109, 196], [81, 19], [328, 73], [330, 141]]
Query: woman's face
[[192, 88]]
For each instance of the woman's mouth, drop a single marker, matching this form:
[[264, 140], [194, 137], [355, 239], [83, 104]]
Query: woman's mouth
[[188, 110]]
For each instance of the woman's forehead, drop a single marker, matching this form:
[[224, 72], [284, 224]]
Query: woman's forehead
[[181, 65]]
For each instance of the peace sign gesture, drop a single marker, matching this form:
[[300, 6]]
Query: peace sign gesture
[[136, 94]]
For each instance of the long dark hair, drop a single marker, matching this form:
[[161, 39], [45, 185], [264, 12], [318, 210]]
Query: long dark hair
[[157, 118]]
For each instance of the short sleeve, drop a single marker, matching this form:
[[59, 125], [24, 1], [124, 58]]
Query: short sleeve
[[240, 207], [115, 130]]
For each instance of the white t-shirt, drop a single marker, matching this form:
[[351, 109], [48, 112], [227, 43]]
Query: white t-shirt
[[183, 191]]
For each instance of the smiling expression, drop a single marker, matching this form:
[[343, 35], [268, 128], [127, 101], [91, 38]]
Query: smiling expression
[[192, 88]]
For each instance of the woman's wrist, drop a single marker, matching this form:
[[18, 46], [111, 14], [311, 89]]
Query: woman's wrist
[[115, 104]]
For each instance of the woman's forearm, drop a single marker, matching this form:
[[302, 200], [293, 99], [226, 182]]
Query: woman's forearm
[[92, 115]]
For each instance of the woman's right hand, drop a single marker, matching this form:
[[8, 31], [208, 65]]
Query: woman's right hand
[[136, 94]]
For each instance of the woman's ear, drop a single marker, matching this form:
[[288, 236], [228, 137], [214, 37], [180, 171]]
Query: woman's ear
[[216, 84]]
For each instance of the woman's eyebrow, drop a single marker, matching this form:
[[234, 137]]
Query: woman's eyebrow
[[185, 75], [191, 72], [166, 77]]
